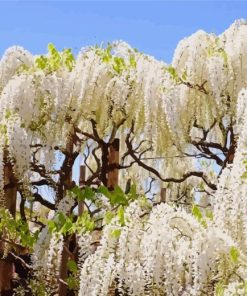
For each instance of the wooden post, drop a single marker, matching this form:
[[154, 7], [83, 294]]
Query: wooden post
[[81, 182], [232, 150], [113, 159], [112, 181], [63, 274], [163, 195], [82, 178], [62, 290], [6, 275], [10, 192]]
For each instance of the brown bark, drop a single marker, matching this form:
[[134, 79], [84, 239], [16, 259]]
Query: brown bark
[[113, 160], [163, 195], [232, 150], [66, 183], [64, 270], [10, 191], [112, 181], [81, 182], [6, 275]]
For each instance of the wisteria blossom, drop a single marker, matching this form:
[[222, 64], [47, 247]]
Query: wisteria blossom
[[180, 129]]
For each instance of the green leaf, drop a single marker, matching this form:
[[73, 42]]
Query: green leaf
[[51, 226], [219, 289], [72, 282], [72, 266], [119, 64], [89, 225], [234, 254], [67, 226], [61, 218], [88, 193], [118, 190], [132, 61], [78, 192], [209, 215], [116, 233], [104, 190], [41, 62], [118, 197], [133, 192], [121, 215], [108, 217], [51, 47], [173, 73], [244, 175], [184, 76], [196, 212], [3, 129], [8, 114]]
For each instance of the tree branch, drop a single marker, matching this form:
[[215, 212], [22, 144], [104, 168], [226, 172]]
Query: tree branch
[[44, 202], [157, 174]]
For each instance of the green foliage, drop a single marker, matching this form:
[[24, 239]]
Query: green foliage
[[73, 282], [73, 279], [121, 215], [55, 60], [116, 233], [118, 63], [116, 197], [109, 215], [196, 212], [173, 73], [184, 76], [219, 289], [67, 226], [132, 61], [218, 52], [234, 255], [72, 266], [105, 54], [209, 215], [38, 288], [86, 193], [132, 195], [244, 175], [3, 129], [23, 69], [16, 231]]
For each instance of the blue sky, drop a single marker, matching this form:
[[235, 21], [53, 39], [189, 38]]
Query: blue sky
[[153, 27]]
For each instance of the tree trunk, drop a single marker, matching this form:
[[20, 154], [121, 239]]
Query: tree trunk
[[10, 191]]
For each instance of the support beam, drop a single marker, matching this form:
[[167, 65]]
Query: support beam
[[163, 195], [81, 182], [113, 160], [66, 182]]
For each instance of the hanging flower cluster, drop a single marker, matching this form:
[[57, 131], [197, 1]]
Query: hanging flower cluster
[[172, 252], [43, 97], [45, 100], [165, 253]]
